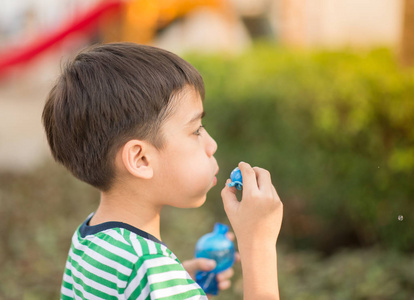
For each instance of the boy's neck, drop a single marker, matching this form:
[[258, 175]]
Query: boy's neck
[[132, 210]]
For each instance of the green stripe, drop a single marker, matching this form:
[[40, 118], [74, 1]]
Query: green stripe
[[142, 283], [165, 268], [106, 253], [87, 255], [97, 264], [94, 277], [91, 289], [79, 293], [64, 297], [67, 285], [144, 245], [127, 236], [185, 295], [170, 283], [68, 271], [105, 237], [158, 247]]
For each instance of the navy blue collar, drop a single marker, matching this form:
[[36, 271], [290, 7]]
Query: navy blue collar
[[85, 229]]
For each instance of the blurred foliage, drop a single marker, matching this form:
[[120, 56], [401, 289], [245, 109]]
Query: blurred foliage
[[39, 213], [356, 274], [336, 130]]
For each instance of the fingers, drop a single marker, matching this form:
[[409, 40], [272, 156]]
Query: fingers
[[249, 177], [223, 279], [263, 176], [237, 257], [264, 181], [255, 178], [204, 264], [230, 235], [224, 285], [275, 194], [257, 183], [228, 194], [199, 264]]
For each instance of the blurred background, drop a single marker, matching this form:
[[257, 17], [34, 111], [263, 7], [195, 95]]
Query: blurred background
[[320, 92]]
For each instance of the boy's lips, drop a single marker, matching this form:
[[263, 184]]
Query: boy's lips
[[215, 177]]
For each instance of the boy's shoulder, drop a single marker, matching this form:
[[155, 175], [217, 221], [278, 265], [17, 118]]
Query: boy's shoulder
[[120, 241], [121, 260]]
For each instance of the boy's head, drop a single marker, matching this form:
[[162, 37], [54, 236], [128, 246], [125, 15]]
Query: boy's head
[[108, 95]]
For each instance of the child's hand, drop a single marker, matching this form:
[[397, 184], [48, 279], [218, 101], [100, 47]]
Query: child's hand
[[258, 216], [203, 264]]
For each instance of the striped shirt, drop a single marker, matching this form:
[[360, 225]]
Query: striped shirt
[[115, 260]]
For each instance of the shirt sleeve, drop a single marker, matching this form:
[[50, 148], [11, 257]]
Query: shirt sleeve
[[161, 277]]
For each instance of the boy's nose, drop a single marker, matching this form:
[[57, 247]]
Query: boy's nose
[[211, 146]]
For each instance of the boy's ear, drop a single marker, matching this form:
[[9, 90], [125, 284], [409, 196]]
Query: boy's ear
[[136, 159]]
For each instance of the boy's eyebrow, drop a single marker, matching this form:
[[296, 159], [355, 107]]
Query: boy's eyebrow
[[197, 117]]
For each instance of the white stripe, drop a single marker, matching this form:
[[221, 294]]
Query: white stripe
[[142, 271], [136, 245], [174, 290], [134, 283], [75, 238], [160, 277], [98, 272], [66, 292], [115, 250], [86, 295], [68, 264], [102, 259], [67, 278], [114, 234], [168, 252], [164, 250], [145, 292], [89, 282], [106, 245], [151, 247], [160, 261]]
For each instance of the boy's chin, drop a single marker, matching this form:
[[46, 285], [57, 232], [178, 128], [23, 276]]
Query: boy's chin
[[195, 203], [199, 202]]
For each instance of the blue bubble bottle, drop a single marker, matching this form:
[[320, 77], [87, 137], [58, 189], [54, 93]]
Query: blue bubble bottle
[[236, 179], [214, 245]]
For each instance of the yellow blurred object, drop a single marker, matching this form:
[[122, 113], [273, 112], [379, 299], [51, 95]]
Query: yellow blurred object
[[142, 18]]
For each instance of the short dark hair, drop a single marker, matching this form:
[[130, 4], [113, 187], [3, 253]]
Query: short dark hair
[[107, 95]]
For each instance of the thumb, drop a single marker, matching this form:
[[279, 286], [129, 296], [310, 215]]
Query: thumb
[[199, 264], [230, 202]]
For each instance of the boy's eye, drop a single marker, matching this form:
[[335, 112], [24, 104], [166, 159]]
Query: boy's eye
[[197, 132]]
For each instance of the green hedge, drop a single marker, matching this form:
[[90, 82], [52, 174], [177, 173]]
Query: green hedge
[[358, 274], [336, 130]]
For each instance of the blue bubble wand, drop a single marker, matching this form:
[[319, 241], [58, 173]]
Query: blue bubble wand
[[236, 179]]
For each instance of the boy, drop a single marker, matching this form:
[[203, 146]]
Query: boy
[[126, 119]]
